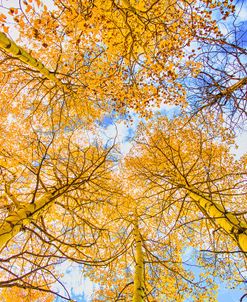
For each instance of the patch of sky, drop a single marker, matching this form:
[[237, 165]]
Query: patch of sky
[[67, 129], [106, 121], [234, 26], [131, 134], [241, 144], [35, 163], [171, 111], [241, 10], [116, 128], [79, 287], [225, 292]]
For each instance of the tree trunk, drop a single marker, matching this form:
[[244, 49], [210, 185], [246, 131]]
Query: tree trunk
[[229, 222], [19, 53], [138, 294], [22, 216]]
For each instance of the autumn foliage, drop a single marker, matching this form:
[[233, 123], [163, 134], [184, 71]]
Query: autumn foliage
[[68, 194]]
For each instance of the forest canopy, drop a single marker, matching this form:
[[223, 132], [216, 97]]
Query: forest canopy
[[163, 220]]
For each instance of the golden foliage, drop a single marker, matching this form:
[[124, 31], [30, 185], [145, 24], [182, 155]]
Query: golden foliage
[[62, 194]]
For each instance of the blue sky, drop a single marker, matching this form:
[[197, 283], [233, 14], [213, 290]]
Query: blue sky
[[81, 289]]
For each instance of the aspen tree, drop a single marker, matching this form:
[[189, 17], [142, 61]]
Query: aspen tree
[[138, 291], [177, 154], [25, 214], [228, 221], [16, 51]]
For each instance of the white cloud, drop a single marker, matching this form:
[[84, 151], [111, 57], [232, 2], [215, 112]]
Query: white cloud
[[241, 141], [122, 132], [74, 281], [242, 12]]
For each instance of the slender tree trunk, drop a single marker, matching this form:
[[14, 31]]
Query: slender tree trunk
[[138, 294], [22, 216], [19, 53], [229, 222], [26, 213]]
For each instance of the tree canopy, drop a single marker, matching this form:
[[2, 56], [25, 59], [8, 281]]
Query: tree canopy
[[68, 194]]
